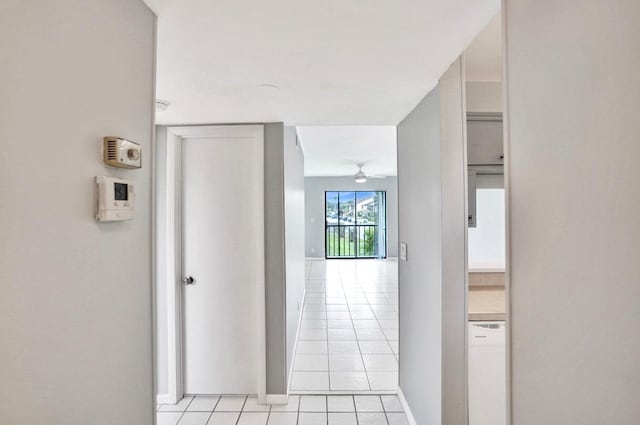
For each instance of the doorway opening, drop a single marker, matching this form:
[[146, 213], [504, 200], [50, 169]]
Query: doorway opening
[[348, 339], [487, 292], [355, 223]]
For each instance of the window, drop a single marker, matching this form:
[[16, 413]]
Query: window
[[487, 239], [355, 224]]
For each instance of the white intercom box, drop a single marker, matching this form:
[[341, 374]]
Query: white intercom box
[[115, 199]]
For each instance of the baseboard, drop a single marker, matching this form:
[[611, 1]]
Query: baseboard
[[343, 392], [164, 399], [407, 409], [270, 399], [277, 398]]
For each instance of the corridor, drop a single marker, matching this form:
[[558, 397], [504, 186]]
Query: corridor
[[348, 339]]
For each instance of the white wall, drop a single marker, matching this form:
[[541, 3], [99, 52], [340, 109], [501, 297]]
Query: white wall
[[420, 277], [432, 222], [275, 259], [294, 235], [314, 209], [75, 294], [484, 96], [453, 133], [573, 205]]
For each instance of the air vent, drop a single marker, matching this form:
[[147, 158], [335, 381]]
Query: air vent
[[118, 152], [112, 150]]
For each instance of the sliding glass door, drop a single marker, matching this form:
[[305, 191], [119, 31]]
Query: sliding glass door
[[355, 223]]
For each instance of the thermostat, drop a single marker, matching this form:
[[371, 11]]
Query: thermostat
[[121, 153], [115, 199]]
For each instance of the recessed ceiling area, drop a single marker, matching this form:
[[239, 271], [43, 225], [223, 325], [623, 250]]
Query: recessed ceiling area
[[336, 150], [332, 62]]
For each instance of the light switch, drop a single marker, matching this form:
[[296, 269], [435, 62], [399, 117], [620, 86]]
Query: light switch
[[403, 251]]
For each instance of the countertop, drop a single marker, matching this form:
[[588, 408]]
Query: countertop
[[487, 303]]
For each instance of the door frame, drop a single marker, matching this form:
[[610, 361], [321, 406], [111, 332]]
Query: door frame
[[170, 271]]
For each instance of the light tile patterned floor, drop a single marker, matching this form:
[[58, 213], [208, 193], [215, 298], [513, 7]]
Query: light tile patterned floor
[[348, 343], [301, 410], [348, 339]]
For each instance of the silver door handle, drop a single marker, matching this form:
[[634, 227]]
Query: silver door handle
[[188, 280]]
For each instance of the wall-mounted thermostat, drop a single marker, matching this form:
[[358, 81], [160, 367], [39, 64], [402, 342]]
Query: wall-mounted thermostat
[[121, 153], [115, 199]]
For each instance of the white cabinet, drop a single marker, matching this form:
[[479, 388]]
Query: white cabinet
[[487, 374], [484, 139]]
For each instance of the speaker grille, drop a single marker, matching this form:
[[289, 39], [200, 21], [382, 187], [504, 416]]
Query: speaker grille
[[112, 150]]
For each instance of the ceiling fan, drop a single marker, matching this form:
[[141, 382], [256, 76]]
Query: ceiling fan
[[361, 176]]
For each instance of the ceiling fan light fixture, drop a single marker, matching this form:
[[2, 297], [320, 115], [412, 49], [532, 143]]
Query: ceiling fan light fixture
[[360, 177]]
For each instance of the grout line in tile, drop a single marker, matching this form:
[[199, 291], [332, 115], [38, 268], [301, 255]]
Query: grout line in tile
[[212, 410], [355, 408], [360, 352], [326, 402], [384, 409], [328, 366], [185, 408], [242, 409], [269, 414]]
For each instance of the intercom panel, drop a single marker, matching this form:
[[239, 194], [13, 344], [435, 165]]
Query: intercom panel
[[115, 199]]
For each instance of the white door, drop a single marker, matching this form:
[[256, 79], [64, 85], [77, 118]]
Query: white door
[[223, 250]]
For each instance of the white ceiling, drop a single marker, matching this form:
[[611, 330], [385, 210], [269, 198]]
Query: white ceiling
[[333, 61], [483, 57], [335, 151]]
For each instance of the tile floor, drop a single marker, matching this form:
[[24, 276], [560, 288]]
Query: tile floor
[[301, 410], [348, 344], [348, 340]]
